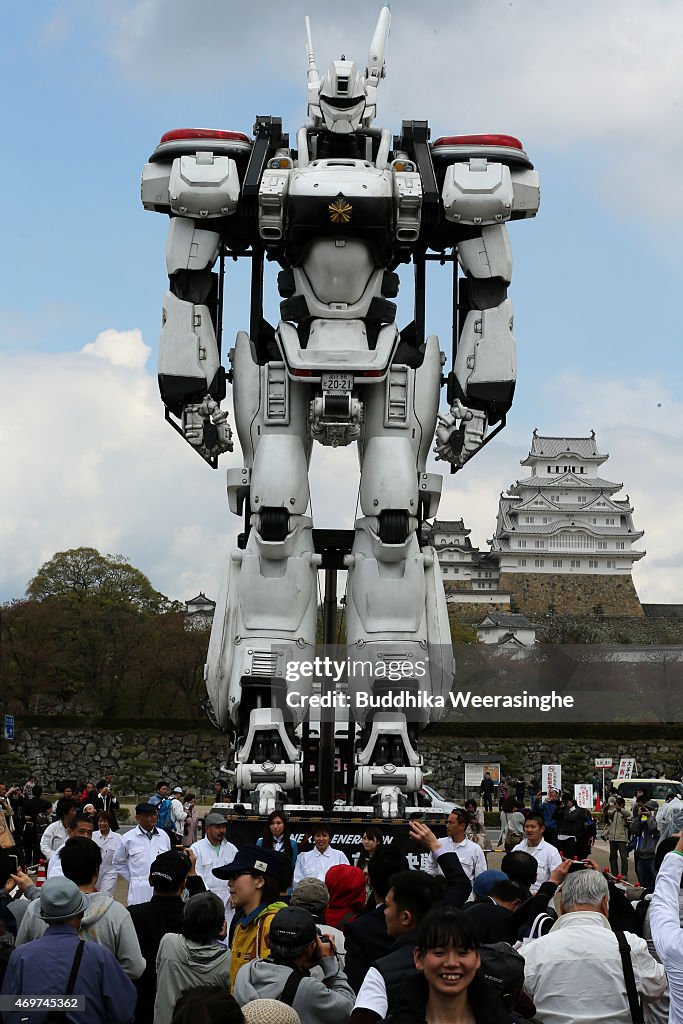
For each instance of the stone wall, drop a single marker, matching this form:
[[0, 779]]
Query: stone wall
[[471, 612], [194, 758], [578, 594]]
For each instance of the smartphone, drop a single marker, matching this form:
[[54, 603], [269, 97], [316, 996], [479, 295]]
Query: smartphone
[[9, 865]]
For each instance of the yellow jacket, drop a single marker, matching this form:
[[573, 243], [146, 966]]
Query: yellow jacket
[[250, 937]]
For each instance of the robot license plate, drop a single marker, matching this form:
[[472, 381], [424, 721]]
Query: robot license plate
[[337, 382]]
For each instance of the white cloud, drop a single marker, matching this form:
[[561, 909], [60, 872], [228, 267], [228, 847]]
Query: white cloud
[[120, 348]]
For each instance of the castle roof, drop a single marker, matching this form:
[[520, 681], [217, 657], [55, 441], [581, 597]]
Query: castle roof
[[545, 447]]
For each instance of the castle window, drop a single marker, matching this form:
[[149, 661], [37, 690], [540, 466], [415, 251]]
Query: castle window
[[611, 564], [557, 563], [539, 563], [602, 544], [539, 543], [575, 563], [593, 563], [620, 545], [609, 521], [522, 561]]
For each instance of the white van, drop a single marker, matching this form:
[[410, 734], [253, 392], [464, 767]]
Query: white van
[[657, 789]]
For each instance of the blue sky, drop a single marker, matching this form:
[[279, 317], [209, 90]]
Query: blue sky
[[596, 96]]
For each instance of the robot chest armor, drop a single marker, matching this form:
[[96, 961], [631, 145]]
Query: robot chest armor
[[340, 198]]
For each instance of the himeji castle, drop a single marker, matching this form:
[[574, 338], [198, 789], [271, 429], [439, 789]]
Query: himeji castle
[[564, 521]]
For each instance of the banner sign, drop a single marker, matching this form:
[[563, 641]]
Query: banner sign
[[551, 777], [603, 762], [626, 768], [583, 794]]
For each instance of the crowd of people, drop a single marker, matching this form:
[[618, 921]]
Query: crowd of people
[[279, 931]]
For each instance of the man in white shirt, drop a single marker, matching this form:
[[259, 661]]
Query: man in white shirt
[[318, 861], [138, 849], [470, 855], [665, 925], [546, 856], [81, 827], [214, 851], [178, 813], [574, 974], [56, 834]]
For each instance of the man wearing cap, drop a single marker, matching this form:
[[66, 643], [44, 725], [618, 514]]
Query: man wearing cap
[[317, 862], [44, 967], [170, 874], [214, 851], [295, 947], [312, 895], [254, 878], [138, 849], [178, 814]]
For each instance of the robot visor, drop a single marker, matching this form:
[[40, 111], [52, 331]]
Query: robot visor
[[343, 102]]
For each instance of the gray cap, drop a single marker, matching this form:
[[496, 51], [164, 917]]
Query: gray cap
[[215, 818], [310, 893], [60, 899]]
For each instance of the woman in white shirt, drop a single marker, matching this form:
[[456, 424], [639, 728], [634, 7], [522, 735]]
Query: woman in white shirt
[[108, 842]]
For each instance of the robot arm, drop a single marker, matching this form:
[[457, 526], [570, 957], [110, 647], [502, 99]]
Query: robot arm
[[190, 179], [489, 182], [191, 379]]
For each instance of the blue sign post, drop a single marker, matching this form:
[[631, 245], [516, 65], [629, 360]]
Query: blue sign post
[[9, 727]]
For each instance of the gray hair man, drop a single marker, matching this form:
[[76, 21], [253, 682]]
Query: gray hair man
[[577, 966]]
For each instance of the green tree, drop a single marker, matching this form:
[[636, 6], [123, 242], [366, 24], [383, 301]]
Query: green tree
[[84, 572]]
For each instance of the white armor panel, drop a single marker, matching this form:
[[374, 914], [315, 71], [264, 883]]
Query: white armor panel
[[189, 247], [388, 478], [489, 255], [351, 177], [187, 347], [486, 350], [338, 271], [527, 191], [154, 186], [478, 192], [204, 185], [279, 478]]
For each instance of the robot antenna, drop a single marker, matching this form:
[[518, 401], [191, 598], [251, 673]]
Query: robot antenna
[[313, 73], [378, 47]]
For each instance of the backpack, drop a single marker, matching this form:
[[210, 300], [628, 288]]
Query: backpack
[[164, 809]]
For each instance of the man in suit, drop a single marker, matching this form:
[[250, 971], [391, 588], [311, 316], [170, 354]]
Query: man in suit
[[367, 938]]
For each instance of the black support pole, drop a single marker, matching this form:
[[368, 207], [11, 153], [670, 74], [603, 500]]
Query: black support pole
[[326, 751]]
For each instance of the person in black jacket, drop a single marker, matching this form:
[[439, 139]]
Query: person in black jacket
[[448, 984], [367, 938], [169, 875], [410, 898]]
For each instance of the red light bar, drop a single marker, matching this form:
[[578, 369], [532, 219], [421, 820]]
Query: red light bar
[[179, 134], [479, 140], [303, 373]]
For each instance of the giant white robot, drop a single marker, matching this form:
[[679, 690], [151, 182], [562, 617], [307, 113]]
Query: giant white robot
[[339, 212]]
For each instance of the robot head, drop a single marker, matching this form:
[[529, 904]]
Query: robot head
[[342, 97], [346, 98]]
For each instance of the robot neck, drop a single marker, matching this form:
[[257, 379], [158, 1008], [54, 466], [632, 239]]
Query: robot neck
[[332, 146]]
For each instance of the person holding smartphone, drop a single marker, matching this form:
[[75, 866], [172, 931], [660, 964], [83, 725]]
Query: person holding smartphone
[[297, 945]]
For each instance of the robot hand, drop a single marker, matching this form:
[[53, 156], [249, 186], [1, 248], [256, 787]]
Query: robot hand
[[457, 444], [207, 429]]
